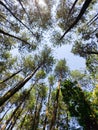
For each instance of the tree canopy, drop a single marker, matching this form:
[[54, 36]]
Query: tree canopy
[[38, 91]]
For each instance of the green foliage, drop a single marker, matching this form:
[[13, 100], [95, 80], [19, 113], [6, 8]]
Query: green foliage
[[61, 69], [51, 80], [78, 105], [77, 75], [45, 59], [40, 74], [89, 52], [95, 100], [92, 64]]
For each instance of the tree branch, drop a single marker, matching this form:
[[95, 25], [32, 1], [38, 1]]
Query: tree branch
[[84, 7], [6, 79], [10, 35], [15, 17], [23, 8], [11, 92]]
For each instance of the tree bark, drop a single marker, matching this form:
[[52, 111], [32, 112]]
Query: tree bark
[[12, 115], [82, 11], [11, 92], [37, 114], [45, 120], [16, 117], [52, 125]]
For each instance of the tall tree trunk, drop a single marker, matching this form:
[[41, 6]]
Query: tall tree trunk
[[10, 35], [58, 119], [16, 117], [52, 125], [45, 120], [67, 120], [37, 114], [19, 105], [22, 122], [12, 115], [11, 92], [5, 113]]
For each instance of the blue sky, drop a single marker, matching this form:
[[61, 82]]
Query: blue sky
[[74, 62]]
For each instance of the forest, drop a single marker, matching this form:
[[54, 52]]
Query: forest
[[37, 90]]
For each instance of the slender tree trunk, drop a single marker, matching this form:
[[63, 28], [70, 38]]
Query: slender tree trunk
[[45, 121], [24, 9], [6, 79], [15, 111], [16, 117], [9, 119], [10, 35], [39, 11], [11, 92], [58, 119], [52, 125], [70, 11], [5, 113], [22, 122], [37, 114], [67, 125]]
